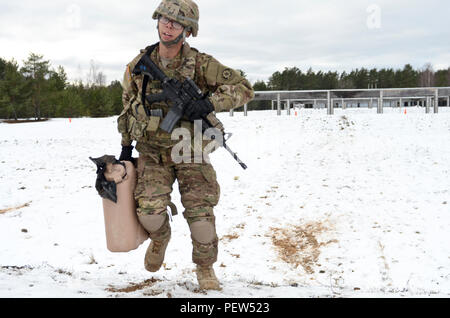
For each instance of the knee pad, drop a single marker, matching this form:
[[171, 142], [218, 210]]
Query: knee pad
[[203, 232], [152, 222]]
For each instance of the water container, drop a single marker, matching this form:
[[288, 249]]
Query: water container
[[123, 230]]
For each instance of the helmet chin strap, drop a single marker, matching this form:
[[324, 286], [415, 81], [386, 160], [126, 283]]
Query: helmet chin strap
[[182, 36]]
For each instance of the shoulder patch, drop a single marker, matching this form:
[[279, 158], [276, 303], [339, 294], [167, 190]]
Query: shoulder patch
[[227, 74]]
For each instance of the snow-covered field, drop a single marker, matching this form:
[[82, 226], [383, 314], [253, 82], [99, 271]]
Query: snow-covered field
[[351, 205]]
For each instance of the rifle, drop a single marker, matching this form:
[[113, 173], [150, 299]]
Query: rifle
[[181, 95]]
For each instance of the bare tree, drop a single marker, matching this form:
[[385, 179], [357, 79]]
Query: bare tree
[[426, 76], [95, 77], [90, 77], [100, 79], [79, 78]]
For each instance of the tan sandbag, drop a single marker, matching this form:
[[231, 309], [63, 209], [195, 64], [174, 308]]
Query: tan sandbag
[[123, 230]]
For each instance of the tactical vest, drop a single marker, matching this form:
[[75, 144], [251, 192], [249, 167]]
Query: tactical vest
[[143, 128]]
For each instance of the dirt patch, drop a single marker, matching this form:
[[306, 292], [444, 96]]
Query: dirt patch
[[63, 272], [13, 267], [21, 121], [16, 270], [15, 208], [230, 237], [300, 245], [133, 286]]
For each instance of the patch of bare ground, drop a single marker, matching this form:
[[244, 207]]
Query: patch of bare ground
[[192, 287], [21, 121], [230, 237], [132, 287], [12, 270], [15, 208], [233, 235], [16, 268], [300, 245]]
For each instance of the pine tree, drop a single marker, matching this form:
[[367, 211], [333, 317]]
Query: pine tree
[[115, 97], [36, 70], [13, 91]]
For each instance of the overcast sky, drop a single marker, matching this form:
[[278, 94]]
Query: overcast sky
[[257, 36]]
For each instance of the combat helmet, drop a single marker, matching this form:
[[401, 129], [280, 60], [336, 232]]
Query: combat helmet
[[184, 12]]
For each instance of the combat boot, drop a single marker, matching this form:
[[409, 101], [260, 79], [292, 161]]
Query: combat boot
[[207, 278], [154, 256]]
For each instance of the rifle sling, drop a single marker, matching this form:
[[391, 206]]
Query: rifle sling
[[149, 52]]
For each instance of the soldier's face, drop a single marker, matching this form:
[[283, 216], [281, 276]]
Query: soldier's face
[[168, 32]]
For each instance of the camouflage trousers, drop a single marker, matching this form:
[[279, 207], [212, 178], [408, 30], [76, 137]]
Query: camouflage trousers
[[199, 191]]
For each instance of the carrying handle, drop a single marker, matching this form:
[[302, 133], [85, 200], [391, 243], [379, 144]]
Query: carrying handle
[[124, 177], [112, 174]]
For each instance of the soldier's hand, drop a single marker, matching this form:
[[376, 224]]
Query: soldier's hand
[[125, 155], [198, 109]]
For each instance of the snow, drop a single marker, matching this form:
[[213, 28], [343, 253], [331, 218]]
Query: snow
[[358, 202]]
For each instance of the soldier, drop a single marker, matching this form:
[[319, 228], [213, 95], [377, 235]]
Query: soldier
[[177, 20]]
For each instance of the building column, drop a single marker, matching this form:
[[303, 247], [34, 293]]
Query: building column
[[330, 108], [436, 101], [380, 103], [278, 104]]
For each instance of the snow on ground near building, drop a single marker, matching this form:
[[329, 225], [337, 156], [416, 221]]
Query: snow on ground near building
[[351, 205]]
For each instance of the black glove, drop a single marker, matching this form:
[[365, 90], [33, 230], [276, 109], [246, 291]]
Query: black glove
[[198, 109], [125, 155]]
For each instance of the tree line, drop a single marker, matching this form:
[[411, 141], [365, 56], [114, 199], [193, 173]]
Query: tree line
[[37, 90], [294, 79]]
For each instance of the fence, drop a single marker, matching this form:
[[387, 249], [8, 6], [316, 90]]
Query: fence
[[424, 96]]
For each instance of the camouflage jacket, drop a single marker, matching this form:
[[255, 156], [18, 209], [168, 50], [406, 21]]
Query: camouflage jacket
[[228, 87]]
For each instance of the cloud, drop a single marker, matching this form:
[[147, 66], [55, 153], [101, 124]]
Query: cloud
[[257, 36]]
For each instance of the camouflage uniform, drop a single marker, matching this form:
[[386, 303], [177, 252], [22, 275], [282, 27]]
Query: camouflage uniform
[[157, 172]]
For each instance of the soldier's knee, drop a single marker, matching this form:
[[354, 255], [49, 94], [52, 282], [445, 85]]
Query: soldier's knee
[[204, 232], [152, 222]]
